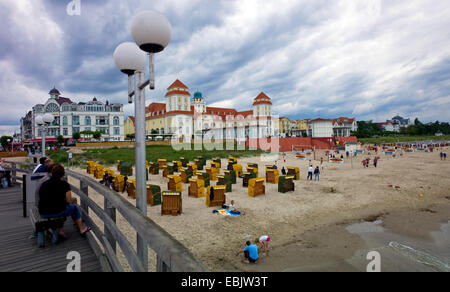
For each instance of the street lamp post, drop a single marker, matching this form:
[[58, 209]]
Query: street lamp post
[[43, 122], [12, 146], [151, 32]]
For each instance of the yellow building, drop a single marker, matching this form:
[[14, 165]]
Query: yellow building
[[129, 126], [285, 126]]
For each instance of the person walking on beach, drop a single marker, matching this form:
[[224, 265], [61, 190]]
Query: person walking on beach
[[283, 171], [310, 172], [445, 156], [316, 174], [250, 252], [375, 161], [125, 179], [442, 155]]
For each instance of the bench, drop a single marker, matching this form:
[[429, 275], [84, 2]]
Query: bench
[[41, 225]]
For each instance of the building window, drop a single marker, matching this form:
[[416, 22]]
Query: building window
[[65, 132], [51, 108], [116, 131], [116, 121], [64, 121], [87, 120], [102, 121], [76, 130], [76, 120]]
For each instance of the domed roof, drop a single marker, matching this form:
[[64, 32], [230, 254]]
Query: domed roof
[[198, 95], [54, 91]]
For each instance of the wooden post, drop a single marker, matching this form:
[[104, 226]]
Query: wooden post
[[24, 195], [13, 173], [160, 265], [111, 212], [85, 189]]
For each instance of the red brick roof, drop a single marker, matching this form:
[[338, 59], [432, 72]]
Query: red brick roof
[[262, 98], [343, 120], [133, 119], [172, 92], [320, 120], [175, 89], [155, 108], [245, 113], [177, 84]]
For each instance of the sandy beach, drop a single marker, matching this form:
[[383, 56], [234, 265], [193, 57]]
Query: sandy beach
[[309, 227]]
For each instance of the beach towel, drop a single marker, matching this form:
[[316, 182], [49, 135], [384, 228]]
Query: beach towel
[[228, 212]]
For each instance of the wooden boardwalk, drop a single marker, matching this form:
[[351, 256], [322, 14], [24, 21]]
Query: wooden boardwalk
[[19, 252]]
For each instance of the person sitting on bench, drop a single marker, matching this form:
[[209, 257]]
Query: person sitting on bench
[[41, 162], [44, 167], [55, 200]]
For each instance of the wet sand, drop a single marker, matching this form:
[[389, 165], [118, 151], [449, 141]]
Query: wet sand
[[407, 240]]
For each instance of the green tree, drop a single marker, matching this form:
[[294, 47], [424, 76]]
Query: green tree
[[60, 140], [130, 136], [4, 140], [76, 136], [97, 135]]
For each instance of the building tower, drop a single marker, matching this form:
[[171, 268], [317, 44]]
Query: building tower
[[54, 93], [178, 97], [262, 106], [199, 103], [262, 111]]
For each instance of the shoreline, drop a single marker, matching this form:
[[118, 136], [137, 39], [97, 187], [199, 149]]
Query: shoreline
[[343, 246]]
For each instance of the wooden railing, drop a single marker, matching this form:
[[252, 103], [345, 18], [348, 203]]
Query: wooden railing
[[171, 254]]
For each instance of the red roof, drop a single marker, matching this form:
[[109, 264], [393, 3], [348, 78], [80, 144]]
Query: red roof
[[156, 108], [320, 120], [262, 98], [175, 89], [172, 92], [177, 84], [245, 113], [343, 120], [132, 119]]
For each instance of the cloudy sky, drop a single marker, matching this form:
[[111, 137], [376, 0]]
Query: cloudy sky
[[369, 59]]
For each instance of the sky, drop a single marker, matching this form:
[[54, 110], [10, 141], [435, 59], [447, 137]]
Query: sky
[[368, 59]]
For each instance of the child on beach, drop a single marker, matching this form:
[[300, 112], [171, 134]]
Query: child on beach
[[264, 242]]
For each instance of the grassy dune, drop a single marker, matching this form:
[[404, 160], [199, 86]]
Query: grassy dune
[[109, 156]]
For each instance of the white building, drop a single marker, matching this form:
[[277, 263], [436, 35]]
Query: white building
[[182, 117], [389, 126], [73, 117], [320, 128]]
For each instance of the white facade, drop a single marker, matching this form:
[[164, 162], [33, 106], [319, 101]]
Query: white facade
[[71, 118], [321, 128]]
